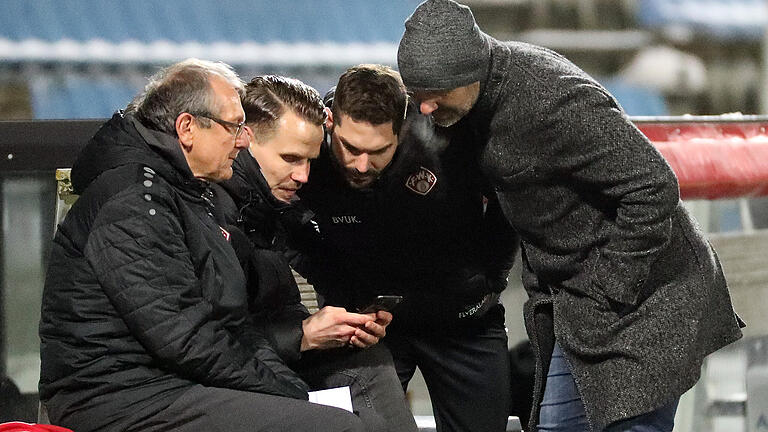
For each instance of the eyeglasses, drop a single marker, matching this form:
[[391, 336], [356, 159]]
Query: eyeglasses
[[229, 126]]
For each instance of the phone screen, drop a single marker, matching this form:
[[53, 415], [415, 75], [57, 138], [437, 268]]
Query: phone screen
[[383, 302]]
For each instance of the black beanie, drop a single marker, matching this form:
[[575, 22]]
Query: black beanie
[[442, 47]]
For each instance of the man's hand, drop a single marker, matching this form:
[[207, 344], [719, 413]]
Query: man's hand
[[372, 331], [333, 327]]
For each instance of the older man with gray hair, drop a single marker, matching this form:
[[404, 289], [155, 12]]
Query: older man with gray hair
[[145, 323]]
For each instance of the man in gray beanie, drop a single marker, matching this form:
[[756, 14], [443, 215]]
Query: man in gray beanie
[[626, 296]]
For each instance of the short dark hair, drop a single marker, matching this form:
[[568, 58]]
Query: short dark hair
[[268, 96], [371, 93]]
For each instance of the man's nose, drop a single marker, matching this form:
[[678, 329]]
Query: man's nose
[[243, 140], [427, 107], [362, 163], [301, 173]]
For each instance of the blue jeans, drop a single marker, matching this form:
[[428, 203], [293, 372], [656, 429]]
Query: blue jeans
[[563, 410]]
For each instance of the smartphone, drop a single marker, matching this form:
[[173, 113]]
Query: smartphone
[[382, 302]]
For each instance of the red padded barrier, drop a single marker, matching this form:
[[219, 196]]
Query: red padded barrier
[[714, 157], [30, 427]]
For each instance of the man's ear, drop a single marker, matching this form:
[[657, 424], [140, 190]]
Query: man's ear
[[249, 133], [185, 129], [328, 119]]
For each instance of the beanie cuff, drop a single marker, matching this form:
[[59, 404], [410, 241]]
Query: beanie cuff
[[425, 79]]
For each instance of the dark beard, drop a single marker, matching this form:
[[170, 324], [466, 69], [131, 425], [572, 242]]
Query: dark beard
[[447, 118], [351, 175], [348, 174]]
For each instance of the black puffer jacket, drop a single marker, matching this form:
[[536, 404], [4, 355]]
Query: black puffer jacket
[[144, 296], [421, 230]]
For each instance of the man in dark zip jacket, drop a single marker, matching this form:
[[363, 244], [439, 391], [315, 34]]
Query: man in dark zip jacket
[[337, 347], [400, 211], [145, 323], [626, 296]]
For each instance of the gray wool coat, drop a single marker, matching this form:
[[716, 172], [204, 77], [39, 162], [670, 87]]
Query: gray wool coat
[[615, 268]]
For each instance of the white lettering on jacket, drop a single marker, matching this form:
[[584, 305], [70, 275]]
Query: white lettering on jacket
[[352, 219]]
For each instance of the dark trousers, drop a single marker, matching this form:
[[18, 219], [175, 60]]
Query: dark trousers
[[466, 371], [225, 410], [377, 400], [214, 409]]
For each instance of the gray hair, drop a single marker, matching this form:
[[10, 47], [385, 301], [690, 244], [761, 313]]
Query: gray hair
[[181, 87]]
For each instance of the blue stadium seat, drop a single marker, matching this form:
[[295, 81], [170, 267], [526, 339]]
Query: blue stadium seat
[[636, 100], [726, 19], [74, 96], [203, 21]]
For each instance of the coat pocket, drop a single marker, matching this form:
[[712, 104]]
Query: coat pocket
[[517, 174], [620, 277]]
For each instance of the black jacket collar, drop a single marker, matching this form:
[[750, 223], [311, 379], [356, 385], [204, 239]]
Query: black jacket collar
[[124, 140], [258, 210]]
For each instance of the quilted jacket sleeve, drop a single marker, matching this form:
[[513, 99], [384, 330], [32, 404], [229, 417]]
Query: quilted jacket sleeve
[[143, 263]]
